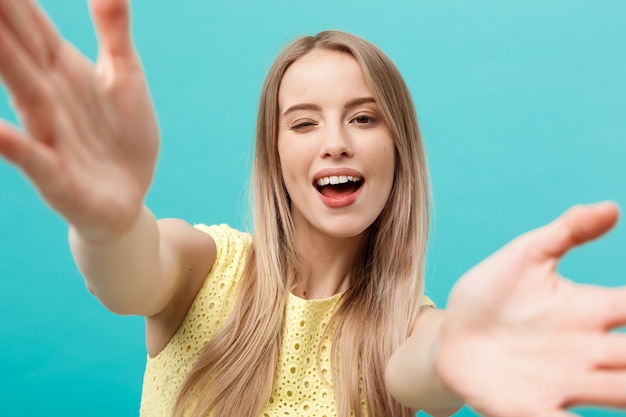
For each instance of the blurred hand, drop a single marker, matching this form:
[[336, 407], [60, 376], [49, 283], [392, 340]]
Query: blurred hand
[[520, 340], [90, 138]]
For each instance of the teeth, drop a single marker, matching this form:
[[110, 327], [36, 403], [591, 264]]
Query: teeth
[[337, 179]]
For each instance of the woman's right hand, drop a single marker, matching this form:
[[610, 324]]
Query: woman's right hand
[[518, 339], [90, 138]]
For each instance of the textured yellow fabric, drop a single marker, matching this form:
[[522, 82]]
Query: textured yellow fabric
[[301, 388], [166, 372]]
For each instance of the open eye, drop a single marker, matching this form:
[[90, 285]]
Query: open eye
[[364, 119]]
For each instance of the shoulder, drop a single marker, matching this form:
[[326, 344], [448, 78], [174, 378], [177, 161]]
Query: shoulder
[[231, 252], [231, 245], [202, 259], [427, 302], [225, 236], [209, 298]]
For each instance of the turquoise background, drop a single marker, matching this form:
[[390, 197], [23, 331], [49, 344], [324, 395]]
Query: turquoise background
[[522, 109]]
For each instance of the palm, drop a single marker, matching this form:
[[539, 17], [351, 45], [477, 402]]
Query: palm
[[91, 133], [520, 340]]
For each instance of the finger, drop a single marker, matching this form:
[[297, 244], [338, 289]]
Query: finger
[[33, 158], [596, 308], [19, 72], [560, 413], [30, 28], [604, 350], [112, 21], [578, 225], [601, 388], [606, 306], [29, 86], [613, 352], [13, 145]]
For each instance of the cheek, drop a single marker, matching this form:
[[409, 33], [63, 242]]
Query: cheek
[[295, 156], [384, 158], [388, 168], [283, 156], [289, 164]]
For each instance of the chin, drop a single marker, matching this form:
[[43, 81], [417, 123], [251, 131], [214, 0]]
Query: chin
[[346, 231]]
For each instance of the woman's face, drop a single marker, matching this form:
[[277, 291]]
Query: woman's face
[[336, 153]]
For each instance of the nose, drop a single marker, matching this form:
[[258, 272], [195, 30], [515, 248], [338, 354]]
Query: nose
[[336, 143]]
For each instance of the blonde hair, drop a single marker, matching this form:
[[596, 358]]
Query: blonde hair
[[236, 369]]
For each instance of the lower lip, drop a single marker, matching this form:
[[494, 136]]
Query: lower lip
[[340, 202]]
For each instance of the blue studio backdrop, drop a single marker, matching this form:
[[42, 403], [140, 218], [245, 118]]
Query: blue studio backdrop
[[521, 105]]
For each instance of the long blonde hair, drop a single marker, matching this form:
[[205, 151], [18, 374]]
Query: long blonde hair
[[236, 369]]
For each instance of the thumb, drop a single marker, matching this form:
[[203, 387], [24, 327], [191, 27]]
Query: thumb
[[112, 21], [578, 225]]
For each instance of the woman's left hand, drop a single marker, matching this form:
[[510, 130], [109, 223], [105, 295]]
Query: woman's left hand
[[520, 340]]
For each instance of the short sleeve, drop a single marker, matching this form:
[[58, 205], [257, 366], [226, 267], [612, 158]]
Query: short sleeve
[[427, 302]]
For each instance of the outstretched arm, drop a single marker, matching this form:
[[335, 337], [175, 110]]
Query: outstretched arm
[[89, 146], [518, 339], [411, 373]]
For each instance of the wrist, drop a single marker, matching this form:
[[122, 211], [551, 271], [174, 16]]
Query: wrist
[[109, 230]]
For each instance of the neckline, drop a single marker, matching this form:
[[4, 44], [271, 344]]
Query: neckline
[[319, 301]]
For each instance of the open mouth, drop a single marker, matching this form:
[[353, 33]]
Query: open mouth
[[338, 186]]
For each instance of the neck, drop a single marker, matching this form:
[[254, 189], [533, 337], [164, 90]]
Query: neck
[[325, 263]]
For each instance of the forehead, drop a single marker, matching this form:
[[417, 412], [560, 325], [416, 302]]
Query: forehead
[[322, 76]]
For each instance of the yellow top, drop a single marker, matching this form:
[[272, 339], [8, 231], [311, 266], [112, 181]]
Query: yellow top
[[301, 388]]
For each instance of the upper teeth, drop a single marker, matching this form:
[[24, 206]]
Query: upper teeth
[[337, 179]]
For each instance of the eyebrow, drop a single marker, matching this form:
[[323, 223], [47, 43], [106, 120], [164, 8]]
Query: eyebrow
[[314, 107]]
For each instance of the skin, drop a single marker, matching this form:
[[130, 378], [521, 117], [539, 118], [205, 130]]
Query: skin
[[517, 339], [545, 343], [325, 128]]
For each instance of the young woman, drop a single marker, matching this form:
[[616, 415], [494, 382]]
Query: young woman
[[321, 311]]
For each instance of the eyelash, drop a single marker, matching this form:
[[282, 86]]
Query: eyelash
[[370, 120], [302, 126]]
